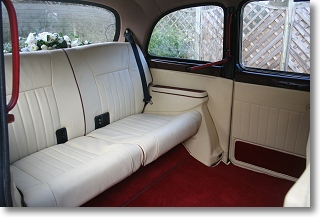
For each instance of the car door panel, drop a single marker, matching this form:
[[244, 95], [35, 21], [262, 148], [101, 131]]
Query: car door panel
[[271, 118]]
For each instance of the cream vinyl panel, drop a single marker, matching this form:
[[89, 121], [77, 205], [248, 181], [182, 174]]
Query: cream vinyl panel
[[219, 102], [47, 89], [154, 134], [70, 174], [204, 145], [109, 80], [271, 117]]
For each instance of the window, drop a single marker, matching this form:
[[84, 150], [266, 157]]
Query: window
[[194, 33], [276, 35], [81, 23]]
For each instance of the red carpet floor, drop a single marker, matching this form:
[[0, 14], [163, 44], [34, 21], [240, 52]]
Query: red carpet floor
[[178, 180]]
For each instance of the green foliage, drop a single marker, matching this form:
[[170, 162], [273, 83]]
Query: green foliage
[[7, 47], [168, 42]]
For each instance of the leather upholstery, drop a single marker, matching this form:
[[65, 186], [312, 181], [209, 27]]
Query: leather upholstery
[[270, 117], [262, 117], [108, 79], [50, 174], [48, 100], [67, 175], [155, 134]]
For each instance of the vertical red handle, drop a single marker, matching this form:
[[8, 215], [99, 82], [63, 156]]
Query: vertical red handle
[[228, 54], [15, 54]]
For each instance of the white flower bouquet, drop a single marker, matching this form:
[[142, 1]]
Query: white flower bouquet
[[49, 41]]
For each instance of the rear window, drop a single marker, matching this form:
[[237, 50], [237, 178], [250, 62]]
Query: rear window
[[59, 24]]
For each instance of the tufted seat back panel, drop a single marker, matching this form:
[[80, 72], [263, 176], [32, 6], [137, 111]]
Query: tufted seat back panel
[[48, 100], [109, 79]]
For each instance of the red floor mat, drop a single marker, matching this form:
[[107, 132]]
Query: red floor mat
[[270, 159], [178, 180]]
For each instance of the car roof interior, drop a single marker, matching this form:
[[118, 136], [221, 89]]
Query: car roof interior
[[141, 15]]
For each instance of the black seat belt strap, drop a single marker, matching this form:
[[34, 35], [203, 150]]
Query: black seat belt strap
[[129, 37]]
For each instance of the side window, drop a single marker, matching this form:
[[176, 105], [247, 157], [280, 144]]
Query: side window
[[276, 35], [194, 33], [50, 25]]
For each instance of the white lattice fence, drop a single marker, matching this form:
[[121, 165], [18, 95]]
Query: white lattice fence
[[277, 38], [299, 59], [262, 35], [212, 35], [201, 30]]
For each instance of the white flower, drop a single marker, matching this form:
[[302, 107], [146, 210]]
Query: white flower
[[31, 39], [25, 49], [66, 38], [60, 39], [44, 47], [44, 36], [55, 36], [74, 43], [52, 37], [33, 47]]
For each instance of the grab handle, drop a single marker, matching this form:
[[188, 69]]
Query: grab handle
[[15, 55]]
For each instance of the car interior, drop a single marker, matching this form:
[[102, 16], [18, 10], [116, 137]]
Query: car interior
[[155, 103]]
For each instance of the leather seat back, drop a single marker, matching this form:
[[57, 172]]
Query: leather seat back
[[48, 100], [109, 80]]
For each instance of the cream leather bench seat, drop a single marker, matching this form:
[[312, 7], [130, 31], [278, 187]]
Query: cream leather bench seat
[[66, 174], [155, 134], [109, 81], [91, 161]]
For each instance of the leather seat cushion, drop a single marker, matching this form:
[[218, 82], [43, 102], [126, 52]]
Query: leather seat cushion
[[155, 134], [69, 174]]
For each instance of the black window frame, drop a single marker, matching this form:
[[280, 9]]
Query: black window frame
[[180, 64], [267, 77], [115, 13]]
